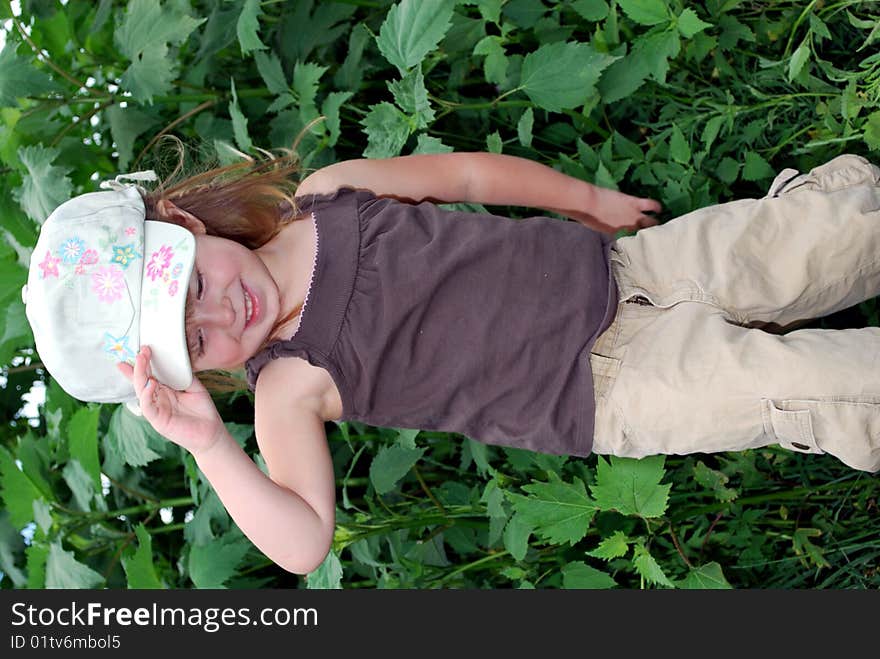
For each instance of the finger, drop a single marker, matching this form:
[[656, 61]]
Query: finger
[[126, 370], [149, 398], [650, 205], [148, 355], [141, 372]]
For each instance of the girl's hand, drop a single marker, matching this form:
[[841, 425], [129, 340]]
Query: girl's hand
[[188, 418], [612, 211]]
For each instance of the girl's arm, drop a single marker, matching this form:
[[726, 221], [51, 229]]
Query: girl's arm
[[288, 515], [486, 178]]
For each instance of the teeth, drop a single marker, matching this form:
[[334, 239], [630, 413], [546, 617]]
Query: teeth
[[248, 308]]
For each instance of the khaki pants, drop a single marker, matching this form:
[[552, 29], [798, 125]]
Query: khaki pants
[[688, 365]]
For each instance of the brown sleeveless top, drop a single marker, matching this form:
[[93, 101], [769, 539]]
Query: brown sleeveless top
[[454, 321]]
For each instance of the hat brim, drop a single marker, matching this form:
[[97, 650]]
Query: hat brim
[[169, 257]]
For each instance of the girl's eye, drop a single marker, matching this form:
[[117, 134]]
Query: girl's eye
[[200, 285], [201, 343]]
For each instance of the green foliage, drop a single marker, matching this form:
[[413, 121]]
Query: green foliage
[[688, 103]]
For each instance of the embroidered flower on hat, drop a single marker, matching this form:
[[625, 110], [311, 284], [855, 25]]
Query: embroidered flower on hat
[[71, 249], [159, 261], [118, 348], [108, 283], [49, 266], [172, 288], [124, 254]]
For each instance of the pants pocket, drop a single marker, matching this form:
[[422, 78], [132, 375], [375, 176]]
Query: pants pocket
[[847, 428], [788, 427]]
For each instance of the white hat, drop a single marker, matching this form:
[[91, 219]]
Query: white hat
[[102, 282]]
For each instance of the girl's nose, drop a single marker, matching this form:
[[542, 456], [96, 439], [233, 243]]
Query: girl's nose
[[221, 313]]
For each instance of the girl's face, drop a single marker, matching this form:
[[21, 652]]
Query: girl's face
[[232, 304]]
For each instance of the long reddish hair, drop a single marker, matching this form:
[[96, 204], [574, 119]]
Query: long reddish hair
[[248, 202]]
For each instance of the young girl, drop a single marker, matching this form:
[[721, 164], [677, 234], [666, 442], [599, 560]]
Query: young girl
[[360, 299]]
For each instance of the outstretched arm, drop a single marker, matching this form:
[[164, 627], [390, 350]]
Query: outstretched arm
[[486, 178]]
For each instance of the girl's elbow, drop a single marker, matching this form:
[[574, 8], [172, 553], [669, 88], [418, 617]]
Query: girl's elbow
[[311, 556]]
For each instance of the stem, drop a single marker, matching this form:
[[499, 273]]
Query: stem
[[427, 491], [85, 118], [678, 546], [41, 56], [473, 564]]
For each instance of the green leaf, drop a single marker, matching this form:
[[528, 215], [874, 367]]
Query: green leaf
[[872, 131], [579, 575], [64, 571], [648, 568], [524, 127], [143, 37], [387, 129], [351, 72], [516, 536], [756, 168], [818, 27], [711, 130], [126, 124], [34, 459], [645, 12], [429, 144], [558, 511], [592, 10], [411, 96], [151, 74], [37, 556], [705, 577], [798, 60], [209, 513], [80, 484], [631, 487], [493, 142], [248, 25], [82, 434], [211, 565], [412, 29], [328, 575], [649, 57], [690, 24], [269, 67], [130, 435], [490, 10], [562, 75], [391, 464], [330, 109], [239, 122], [728, 170], [804, 547], [306, 77], [715, 481], [140, 571], [17, 491], [496, 63], [18, 78], [614, 546], [16, 331], [46, 186], [11, 546], [679, 149]]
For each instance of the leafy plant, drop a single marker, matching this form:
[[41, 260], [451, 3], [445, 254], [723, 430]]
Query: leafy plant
[[690, 103]]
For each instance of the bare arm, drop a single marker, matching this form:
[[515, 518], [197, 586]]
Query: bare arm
[[486, 178], [288, 515]]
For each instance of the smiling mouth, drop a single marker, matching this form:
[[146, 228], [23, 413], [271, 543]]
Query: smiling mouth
[[251, 306]]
